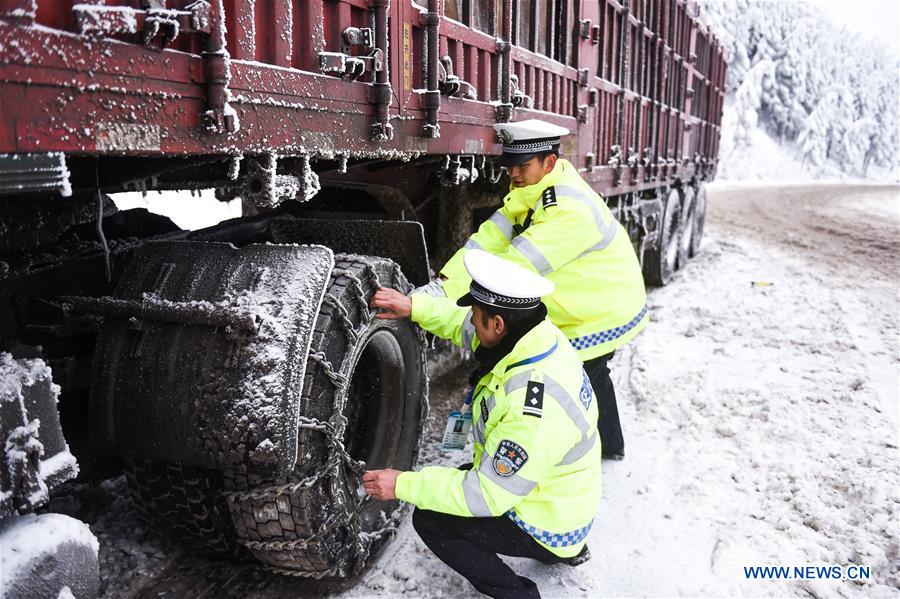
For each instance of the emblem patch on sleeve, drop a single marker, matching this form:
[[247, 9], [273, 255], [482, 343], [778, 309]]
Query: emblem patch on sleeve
[[509, 458], [587, 392], [534, 400], [548, 198]]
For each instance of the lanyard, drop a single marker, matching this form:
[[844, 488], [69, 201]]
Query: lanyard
[[467, 404]]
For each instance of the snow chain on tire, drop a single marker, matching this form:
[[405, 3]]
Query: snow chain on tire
[[283, 522]]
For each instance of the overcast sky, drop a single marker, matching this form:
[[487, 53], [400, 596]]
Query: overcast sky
[[879, 19]]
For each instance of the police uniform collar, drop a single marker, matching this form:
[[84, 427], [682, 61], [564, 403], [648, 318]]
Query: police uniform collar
[[543, 336], [519, 199]]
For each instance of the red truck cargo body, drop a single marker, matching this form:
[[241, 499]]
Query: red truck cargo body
[[640, 84]]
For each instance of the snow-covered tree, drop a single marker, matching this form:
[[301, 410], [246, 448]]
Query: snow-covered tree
[[823, 134], [748, 101]]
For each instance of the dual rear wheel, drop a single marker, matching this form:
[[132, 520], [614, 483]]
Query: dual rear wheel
[[679, 233]]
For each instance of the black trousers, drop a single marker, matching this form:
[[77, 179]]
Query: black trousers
[[470, 546], [608, 421]]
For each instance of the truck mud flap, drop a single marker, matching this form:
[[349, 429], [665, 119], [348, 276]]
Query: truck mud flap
[[401, 241], [202, 354]]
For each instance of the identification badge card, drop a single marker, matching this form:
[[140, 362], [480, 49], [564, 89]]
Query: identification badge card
[[457, 431]]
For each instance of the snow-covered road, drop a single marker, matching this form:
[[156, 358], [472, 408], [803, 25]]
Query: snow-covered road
[[761, 421], [761, 425]]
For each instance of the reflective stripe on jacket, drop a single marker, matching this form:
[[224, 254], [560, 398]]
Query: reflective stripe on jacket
[[537, 451], [574, 240]]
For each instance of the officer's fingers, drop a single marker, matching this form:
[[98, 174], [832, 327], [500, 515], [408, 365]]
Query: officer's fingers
[[389, 310], [369, 475], [384, 293], [378, 299]]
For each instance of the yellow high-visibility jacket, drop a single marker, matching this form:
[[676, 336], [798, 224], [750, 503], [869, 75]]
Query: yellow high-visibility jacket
[[572, 238], [537, 450]]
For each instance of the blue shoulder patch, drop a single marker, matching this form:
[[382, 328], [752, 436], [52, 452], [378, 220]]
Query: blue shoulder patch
[[587, 392], [509, 458]]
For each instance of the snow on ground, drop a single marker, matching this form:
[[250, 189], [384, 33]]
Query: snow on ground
[[761, 421]]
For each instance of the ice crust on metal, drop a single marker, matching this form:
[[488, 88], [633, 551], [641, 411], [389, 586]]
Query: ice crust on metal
[[35, 456]]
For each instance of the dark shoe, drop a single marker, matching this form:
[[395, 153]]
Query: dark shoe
[[583, 556], [618, 456]]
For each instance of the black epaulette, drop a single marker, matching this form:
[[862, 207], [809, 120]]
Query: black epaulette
[[548, 198], [534, 399]]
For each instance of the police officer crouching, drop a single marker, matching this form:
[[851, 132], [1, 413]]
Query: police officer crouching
[[533, 487]]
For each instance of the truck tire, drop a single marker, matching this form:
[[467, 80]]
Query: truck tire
[[660, 261], [687, 226], [699, 219], [67, 558], [316, 522], [185, 503]]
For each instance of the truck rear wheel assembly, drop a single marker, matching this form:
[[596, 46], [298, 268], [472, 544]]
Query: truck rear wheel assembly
[[363, 400], [661, 259], [256, 441]]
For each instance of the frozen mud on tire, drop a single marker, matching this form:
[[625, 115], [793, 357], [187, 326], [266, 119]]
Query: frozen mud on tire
[[363, 399]]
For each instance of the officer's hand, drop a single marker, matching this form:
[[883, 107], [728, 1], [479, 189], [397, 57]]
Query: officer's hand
[[392, 303], [381, 484]]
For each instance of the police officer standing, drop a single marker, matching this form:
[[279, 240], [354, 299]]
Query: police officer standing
[[553, 223], [533, 486]]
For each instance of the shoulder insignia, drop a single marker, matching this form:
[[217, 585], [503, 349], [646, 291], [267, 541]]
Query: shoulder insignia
[[587, 392], [484, 411], [534, 400], [548, 198], [509, 458]]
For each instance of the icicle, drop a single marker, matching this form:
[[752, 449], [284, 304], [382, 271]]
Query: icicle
[[100, 233]]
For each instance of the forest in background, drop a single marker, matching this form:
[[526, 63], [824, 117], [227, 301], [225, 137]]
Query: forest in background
[[827, 97]]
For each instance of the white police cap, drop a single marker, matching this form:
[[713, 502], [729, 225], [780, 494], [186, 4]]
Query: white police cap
[[501, 283], [525, 139]]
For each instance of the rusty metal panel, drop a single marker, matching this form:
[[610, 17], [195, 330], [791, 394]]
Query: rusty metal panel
[[94, 95]]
